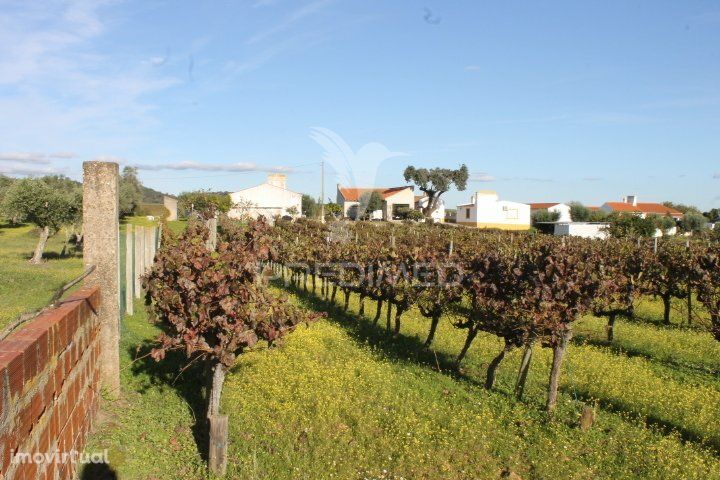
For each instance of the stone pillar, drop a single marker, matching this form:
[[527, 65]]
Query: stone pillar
[[129, 276], [102, 249]]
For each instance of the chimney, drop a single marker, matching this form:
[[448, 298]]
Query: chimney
[[631, 199], [277, 180]]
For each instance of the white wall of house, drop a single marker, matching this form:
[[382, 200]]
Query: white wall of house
[[404, 198], [486, 210], [582, 229], [439, 214], [563, 210], [269, 199]]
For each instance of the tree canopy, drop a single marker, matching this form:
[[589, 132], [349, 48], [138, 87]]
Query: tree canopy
[[436, 181], [369, 203], [203, 202]]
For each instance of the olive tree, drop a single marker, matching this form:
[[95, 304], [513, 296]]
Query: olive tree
[[434, 182], [34, 201]]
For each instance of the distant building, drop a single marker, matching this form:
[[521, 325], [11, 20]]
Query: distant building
[[582, 229], [553, 207], [269, 199], [171, 204], [395, 199], [421, 201], [630, 204], [486, 210]]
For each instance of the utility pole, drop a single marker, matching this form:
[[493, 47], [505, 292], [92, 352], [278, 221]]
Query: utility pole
[[322, 190]]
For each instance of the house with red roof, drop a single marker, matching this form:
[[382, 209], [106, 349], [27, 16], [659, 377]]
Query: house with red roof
[[630, 204], [394, 200], [561, 208]]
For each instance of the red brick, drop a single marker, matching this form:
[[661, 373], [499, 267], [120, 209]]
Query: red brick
[[24, 422], [28, 348], [36, 407]]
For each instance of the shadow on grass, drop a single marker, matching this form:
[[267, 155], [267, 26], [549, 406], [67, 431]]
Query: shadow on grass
[[396, 347], [187, 379], [98, 471], [618, 348], [665, 426], [412, 349]]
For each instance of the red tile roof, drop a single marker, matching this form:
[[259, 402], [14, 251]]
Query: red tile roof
[[646, 208], [354, 194], [542, 206]]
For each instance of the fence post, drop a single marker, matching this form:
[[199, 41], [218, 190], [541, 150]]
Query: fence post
[[138, 260], [147, 233], [102, 249], [129, 279]]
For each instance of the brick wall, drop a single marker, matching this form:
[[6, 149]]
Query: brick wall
[[49, 378]]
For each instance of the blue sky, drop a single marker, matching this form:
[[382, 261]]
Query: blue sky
[[544, 101]]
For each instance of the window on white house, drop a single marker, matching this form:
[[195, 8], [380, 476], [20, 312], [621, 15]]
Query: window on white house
[[467, 213]]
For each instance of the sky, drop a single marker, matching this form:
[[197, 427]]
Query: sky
[[543, 101]]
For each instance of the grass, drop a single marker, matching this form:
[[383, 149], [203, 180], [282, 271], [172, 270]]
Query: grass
[[25, 287], [340, 399]]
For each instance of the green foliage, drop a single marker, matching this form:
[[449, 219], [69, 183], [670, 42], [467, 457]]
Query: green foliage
[[540, 216], [597, 216], [152, 209], [310, 207], [693, 222], [293, 211], [131, 194], [203, 202], [712, 215], [436, 181], [579, 212], [369, 203], [37, 202], [628, 225], [663, 222], [681, 207], [333, 209]]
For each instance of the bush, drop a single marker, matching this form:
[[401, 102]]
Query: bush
[[152, 209]]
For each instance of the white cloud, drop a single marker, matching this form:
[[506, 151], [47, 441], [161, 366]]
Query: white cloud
[[481, 177], [34, 158], [214, 167], [58, 84], [21, 169], [472, 68]]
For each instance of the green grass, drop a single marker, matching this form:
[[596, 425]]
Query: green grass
[[340, 399], [25, 287]]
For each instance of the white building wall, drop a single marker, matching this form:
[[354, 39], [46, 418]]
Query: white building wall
[[488, 211], [582, 229], [563, 210], [266, 200]]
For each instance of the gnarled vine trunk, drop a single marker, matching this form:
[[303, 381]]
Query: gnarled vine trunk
[[494, 364], [433, 328], [610, 328], [378, 312], [558, 355], [666, 308], [472, 333], [524, 370]]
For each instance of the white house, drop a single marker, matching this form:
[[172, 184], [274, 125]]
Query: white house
[[553, 207], [630, 204], [269, 199], [421, 201], [582, 229], [394, 199], [486, 210]]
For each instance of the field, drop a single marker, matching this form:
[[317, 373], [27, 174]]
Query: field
[[25, 287], [340, 399]]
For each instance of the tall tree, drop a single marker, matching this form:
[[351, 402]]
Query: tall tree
[[131, 193], [203, 203], [579, 212], [33, 200], [309, 206], [434, 182]]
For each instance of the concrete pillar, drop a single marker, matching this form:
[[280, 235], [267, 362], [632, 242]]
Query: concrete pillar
[[138, 261], [102, 249], [129, 271], [147, 231]]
